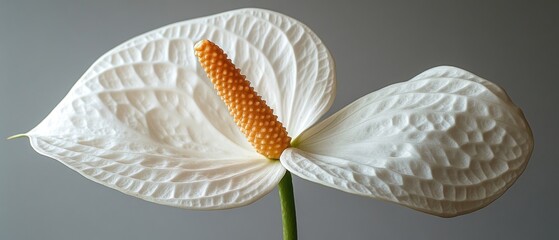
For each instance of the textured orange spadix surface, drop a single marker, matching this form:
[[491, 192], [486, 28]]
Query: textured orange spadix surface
[[255, 118]]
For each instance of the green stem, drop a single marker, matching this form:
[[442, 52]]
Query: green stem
[[288, 215]]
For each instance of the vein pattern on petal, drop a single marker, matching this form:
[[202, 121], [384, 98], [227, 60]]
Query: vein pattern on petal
[[153, 174], [144, 117], [446, 142], [284, 60]]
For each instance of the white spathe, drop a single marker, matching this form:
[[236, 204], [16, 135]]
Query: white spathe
[[145, 120], [446, 142]]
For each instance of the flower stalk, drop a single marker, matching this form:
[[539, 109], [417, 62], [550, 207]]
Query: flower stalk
[[288, 215]]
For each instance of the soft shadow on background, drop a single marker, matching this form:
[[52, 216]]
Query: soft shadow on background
[[45, 47]]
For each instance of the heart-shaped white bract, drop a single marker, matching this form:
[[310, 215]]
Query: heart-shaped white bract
[[145, 120]]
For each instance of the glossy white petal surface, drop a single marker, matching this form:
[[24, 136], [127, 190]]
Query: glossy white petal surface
[[145, 120], [446, 142]]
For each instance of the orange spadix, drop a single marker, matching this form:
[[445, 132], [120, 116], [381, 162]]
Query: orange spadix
[[253, 116]]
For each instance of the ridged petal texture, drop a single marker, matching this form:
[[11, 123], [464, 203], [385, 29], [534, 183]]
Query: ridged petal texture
[[446, 142], [145, 120]]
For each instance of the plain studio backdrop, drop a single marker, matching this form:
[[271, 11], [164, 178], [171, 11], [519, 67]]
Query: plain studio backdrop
[[46, 46]]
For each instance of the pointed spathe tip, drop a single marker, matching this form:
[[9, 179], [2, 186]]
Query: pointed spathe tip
[[17, 136]]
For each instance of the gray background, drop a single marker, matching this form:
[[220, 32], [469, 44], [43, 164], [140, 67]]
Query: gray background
[[45, 47]]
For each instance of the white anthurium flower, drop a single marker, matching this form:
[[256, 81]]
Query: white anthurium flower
[[145, 120]]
